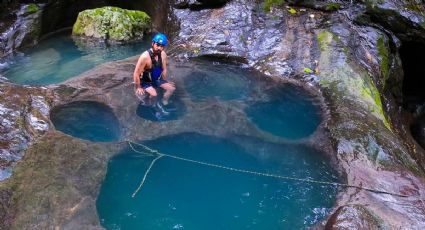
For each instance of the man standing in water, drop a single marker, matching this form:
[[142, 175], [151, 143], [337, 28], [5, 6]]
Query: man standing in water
[[151, 71]]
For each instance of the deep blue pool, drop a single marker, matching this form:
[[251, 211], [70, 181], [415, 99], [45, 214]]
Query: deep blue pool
[[179, 194]]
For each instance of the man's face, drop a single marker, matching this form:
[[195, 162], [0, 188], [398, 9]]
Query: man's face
[[157, 48]]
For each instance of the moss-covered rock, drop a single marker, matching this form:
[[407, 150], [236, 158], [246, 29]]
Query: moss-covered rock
[[112, 24], [359, 85], [32, 8]]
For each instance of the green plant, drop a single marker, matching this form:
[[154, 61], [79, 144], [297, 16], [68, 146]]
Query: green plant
[[307, 70], [292, 11]]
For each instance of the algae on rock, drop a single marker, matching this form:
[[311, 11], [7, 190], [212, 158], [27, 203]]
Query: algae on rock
[[112, 24]]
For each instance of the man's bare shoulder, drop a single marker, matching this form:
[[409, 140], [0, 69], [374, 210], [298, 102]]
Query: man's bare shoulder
[[145, 55]]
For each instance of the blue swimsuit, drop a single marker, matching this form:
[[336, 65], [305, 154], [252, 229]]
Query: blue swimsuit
[[153, 77]]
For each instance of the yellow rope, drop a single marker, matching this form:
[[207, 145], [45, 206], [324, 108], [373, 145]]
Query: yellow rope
[[146, 174], [153, 151]]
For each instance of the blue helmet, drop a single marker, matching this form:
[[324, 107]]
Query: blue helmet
[[160, 39]]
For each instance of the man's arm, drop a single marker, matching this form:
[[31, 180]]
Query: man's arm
[[164, 65], [140, 67]]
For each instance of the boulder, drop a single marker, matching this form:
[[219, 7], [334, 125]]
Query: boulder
[[112, 24]]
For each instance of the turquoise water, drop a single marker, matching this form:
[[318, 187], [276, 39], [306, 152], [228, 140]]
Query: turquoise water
[[86, 120], [185, 195], [224, 82], [287, 112], [59, 58]]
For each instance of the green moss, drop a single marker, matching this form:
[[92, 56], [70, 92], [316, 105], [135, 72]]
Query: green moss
[[344, 79], [384, 55], [333, 6], [31, 8], [267, 5], [370, 93], [414, 6], [112, 23], [324, 38], [78, 27]]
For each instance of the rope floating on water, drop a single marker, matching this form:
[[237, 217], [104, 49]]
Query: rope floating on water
[[146, 174], [159, 155]]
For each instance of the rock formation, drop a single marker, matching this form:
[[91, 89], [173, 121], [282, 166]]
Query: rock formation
[[347, 50]]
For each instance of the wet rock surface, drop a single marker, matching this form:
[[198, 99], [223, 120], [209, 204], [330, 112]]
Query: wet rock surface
[[352, 65], [354, 217], [199, 4], [24, 32], [24, 113]]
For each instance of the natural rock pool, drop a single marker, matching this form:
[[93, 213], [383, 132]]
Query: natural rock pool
[[87, 120], [59, 58], [226, 116], [179, 194], [226, 130]]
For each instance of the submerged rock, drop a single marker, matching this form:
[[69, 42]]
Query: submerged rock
[[112, 24]]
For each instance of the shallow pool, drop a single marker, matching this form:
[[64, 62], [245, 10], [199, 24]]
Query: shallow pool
[[59, 58], [87, 120]]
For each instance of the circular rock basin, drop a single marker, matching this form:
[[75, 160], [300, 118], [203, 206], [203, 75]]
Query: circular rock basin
[[223, 81], [285, 111], [87, 120], [185, 193]]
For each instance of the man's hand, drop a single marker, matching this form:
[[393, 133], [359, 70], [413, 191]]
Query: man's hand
[[140, 91]]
